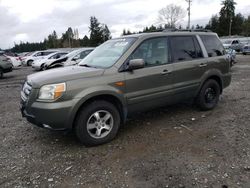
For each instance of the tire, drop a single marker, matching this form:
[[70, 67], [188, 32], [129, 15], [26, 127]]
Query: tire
[[1, 73], [29, 62], [42, 67], [90, 129], [209, 95]]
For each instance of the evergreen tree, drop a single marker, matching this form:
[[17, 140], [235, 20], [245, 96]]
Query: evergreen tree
[[227, 14], [106, 35], [95, 29], [213, 24], [246, 27], [237, 27], [85, 41]]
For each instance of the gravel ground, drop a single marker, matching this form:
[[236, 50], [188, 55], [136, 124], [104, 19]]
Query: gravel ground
[[177, 146]]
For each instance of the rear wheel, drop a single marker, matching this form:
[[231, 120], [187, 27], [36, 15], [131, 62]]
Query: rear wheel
[[29, 62], [208, 97], [97, 123]]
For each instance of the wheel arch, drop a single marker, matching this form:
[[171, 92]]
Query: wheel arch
[[214, 75], [113, 99]]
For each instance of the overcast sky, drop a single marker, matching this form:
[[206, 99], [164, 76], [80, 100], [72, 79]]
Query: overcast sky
[[33, 20]]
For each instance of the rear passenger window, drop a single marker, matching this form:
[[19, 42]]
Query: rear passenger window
[[185, 48], [213, 45]]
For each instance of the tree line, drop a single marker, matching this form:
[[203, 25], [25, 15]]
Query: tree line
[[99, 33], [226, 22]]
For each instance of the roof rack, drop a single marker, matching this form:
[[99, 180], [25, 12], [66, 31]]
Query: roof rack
[[186, 30]]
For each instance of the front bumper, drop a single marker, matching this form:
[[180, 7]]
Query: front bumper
[[55, 116], [36, 67], [7, 69]]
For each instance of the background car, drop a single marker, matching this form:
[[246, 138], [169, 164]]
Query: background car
[[14, 60], [232, 43], [72, 58], [29, 58], [39, 63], [246, 49], [231, 55], [5, 65]]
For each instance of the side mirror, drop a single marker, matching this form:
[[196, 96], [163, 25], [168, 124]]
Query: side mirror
[[135, 64]]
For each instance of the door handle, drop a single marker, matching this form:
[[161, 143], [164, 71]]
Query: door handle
[[164, 72], [202, 65]]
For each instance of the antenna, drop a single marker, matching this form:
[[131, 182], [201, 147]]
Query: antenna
[[189, 12]]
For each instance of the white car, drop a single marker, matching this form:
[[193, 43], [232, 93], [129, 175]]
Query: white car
[[15, 61], [39, 63], [72, 58], [27, 60]]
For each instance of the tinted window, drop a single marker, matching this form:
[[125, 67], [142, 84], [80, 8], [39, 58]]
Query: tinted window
[[213, 45], [47, 53], [185, 48], [153, 52], [84, 54], [38, 54]]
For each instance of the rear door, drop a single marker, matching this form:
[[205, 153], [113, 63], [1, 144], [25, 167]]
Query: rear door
[[189, 65], [216, 53], [152, 85]]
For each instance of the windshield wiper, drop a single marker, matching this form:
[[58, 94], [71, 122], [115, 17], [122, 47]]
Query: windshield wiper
[[86, 65]]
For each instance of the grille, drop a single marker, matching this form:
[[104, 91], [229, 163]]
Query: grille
[[25, 93]]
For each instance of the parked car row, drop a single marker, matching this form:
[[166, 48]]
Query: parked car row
[[238, 45], [42, 60], [60, 59]]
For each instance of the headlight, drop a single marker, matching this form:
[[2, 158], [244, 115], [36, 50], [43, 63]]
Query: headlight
[[52, 92]]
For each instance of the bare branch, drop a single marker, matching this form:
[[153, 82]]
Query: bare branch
[[171, 15]]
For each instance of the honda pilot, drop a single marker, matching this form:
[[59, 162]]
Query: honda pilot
[[127, 75]]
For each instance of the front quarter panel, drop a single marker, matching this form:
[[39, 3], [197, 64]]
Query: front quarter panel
[[84, 89]]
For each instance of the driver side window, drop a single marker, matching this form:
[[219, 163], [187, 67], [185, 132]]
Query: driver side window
[[153, 51]]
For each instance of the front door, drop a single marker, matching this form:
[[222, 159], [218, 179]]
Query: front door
[[150, 86]]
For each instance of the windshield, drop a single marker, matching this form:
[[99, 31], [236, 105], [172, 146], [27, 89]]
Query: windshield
[[108, 53], [57, 55], [74, 52]]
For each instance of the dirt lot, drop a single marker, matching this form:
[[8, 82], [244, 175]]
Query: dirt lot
[[176, 146]]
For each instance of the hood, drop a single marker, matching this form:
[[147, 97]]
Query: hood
[[64, 74]]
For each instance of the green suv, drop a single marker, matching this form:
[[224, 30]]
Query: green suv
[[123, 76]]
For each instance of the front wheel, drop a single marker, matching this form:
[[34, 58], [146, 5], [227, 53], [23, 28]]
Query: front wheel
[[97, 123], [29, 62], [208, 97]]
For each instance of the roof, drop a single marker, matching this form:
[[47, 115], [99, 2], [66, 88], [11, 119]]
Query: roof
[[168, 33]]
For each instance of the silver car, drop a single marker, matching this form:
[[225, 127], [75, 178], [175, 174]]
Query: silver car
[[246, 49]]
